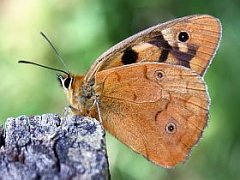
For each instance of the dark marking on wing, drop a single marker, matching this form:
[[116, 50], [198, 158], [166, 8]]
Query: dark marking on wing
[[129, 56], [164, 55], [185, 57], [118, 76], [160, 42], [156, 116], [145, 71], [134, 97]]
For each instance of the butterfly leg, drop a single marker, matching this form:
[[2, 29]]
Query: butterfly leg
[[97, 101]]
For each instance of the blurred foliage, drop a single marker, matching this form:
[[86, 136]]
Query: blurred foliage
[[81, 30]]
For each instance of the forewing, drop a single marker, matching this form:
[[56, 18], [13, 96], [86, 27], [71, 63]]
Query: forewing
[[189, 41]]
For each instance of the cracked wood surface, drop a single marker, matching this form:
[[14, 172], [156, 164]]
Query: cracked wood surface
[[49, 147]]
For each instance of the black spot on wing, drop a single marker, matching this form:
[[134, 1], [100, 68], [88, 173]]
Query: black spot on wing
[[164, 55], [183, 36], [129, 56]]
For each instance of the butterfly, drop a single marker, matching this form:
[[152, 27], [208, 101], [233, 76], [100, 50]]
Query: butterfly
[[148, 90]]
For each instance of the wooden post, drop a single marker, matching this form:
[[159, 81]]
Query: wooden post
[[50, 147]]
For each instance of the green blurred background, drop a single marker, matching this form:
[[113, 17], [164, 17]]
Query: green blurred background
[[82, 30]]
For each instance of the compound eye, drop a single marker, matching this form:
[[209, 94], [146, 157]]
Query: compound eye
[[67, 82]]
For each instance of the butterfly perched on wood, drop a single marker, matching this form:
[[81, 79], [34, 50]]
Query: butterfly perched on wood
[[148, 90]]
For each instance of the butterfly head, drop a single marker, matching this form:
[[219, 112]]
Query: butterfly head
[[71, 85]]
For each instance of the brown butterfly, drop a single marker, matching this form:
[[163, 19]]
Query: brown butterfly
[[148, 91]]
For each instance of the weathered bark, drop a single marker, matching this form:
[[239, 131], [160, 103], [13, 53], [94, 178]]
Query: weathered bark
[[50, 147]]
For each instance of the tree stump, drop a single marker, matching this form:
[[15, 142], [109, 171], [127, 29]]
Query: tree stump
[[50, 147]]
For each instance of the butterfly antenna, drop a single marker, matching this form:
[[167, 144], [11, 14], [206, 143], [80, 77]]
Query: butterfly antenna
[[46, 67], [54, 49]]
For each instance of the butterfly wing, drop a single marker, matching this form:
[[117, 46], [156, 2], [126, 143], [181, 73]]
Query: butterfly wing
[[157, 109], [189, 41]]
